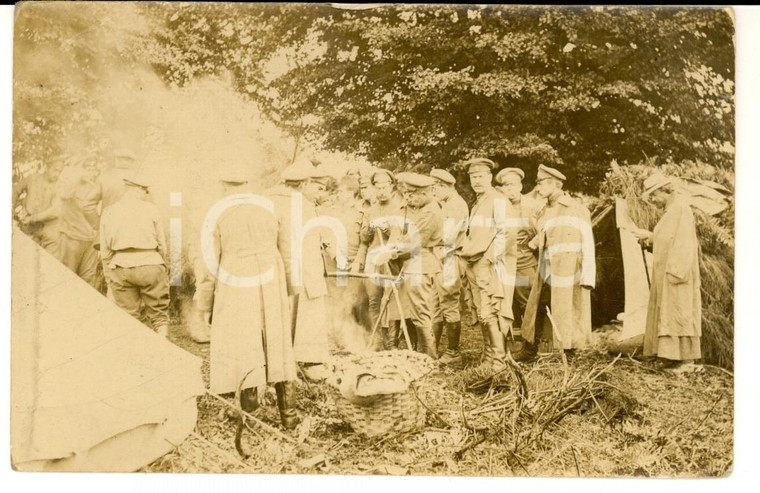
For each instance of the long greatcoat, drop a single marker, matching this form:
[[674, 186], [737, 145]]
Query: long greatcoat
[[565, 244], [674, 315], [250, 328], [305, 275]]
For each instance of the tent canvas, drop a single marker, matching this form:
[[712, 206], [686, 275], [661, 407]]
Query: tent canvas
[[92, 389], [620, 258]]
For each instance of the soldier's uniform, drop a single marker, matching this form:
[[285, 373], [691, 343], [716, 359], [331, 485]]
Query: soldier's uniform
[[525, 212], [379, 222], [421, 234], [348, 297], [307, 291], [77, 223], [133, 248], [251, 339], [449, 281], [489, 250], [566, 272], [40, 189]]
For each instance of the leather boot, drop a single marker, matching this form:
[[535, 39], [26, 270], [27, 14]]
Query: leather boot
[[527, 352], [286, 403], [426, 341], [392, 335], [437, 332], [487, 355], [412, 336], [452, 356], [379, 339], [496, 341], [249, 400]]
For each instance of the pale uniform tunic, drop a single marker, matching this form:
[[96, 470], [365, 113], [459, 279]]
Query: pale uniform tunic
[[77, 224], [449, 280], [567, 262], [305, 276], [250, 329], [674, 316], [490, 249], [133, 248]]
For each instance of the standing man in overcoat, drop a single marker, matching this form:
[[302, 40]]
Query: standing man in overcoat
[[566, 272], [243, 295], [300, 245]]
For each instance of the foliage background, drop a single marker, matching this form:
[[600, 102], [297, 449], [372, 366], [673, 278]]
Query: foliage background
[[191, 87], [403, 86]]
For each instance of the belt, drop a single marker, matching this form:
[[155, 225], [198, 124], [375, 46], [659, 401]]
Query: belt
[[136, 250]]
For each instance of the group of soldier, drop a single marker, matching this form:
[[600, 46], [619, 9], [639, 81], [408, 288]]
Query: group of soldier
[[446, 257], [103, 226], [405, 245]]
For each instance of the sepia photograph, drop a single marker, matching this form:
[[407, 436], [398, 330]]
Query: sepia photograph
[[373, 239]]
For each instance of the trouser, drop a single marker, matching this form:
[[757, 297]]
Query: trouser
[[479, 278], [422, 294], [449, 287], [145, 286], [479, 275], [524, 282], [543, 327], [80, 257], [374, 295]]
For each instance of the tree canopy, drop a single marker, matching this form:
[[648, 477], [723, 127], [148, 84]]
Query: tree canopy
[[413, 87]]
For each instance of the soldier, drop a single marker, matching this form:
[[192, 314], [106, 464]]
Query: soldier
[[564, 243], [251, 342], [37, 211], [133, 249], [303, 186], [78, 196], [376, 230], [486, 248], [422, 232], [526, 209], [449, 281]]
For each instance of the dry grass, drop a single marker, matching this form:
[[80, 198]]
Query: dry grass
[[640, 422]]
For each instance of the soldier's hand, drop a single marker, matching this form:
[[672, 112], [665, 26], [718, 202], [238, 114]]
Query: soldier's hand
[[355, 267]]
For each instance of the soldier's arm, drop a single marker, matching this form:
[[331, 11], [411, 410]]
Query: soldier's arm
[[105, 246], [48, 214]]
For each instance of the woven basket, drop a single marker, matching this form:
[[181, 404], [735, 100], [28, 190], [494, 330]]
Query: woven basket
[[383, 413]]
